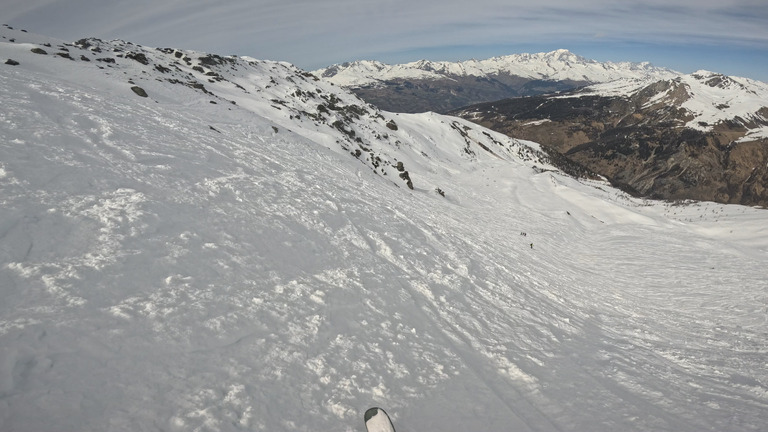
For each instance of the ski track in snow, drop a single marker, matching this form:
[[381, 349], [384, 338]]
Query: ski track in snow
[[159, 275]]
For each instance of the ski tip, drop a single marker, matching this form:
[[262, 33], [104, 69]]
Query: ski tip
[[371, 412], [377, 420]]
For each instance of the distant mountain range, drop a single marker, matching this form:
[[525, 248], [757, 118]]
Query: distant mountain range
[[441, 86]]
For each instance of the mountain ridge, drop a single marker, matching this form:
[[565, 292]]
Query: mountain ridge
[[697, 136], [444, 86], [558, 65], [709, 97]]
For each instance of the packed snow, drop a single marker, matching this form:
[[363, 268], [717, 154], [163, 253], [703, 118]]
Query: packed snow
[[224, 260]]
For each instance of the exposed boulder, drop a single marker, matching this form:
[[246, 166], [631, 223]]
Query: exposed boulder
[[139, 91]]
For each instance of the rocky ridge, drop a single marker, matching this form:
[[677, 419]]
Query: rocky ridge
[[295, 101], [700, 136]]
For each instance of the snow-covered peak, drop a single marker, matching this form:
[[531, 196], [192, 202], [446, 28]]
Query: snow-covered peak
[[715, 98], [370, 66], [565, 55], [709, 98], [555, 65]]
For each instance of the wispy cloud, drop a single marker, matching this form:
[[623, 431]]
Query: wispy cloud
[[320, 32]]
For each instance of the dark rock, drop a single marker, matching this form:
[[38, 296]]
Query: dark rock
[[214, 60], [139, 91], [83, 43], [139, 57], [407, 177]]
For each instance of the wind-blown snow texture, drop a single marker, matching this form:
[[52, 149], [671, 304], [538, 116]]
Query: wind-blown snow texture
[[169, 263]]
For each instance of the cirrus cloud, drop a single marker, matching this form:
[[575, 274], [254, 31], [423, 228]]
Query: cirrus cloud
[[321, 32]]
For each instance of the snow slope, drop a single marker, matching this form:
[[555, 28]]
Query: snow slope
[[182, 262], [556, 65]]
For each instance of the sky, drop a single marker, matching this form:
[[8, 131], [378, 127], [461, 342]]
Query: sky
[[726, 36]]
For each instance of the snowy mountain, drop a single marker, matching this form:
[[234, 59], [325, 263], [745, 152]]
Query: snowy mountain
[[700, 136], [197, 242], [708, 100], [443, 86], [559, 65]]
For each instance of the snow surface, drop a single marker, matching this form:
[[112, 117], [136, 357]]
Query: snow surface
[[168, 263], [556, 65]]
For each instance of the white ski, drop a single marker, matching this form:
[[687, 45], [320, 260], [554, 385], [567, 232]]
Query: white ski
[[377, 420]]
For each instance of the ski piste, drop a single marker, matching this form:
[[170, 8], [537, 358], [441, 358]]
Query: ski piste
[[377, 420]]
